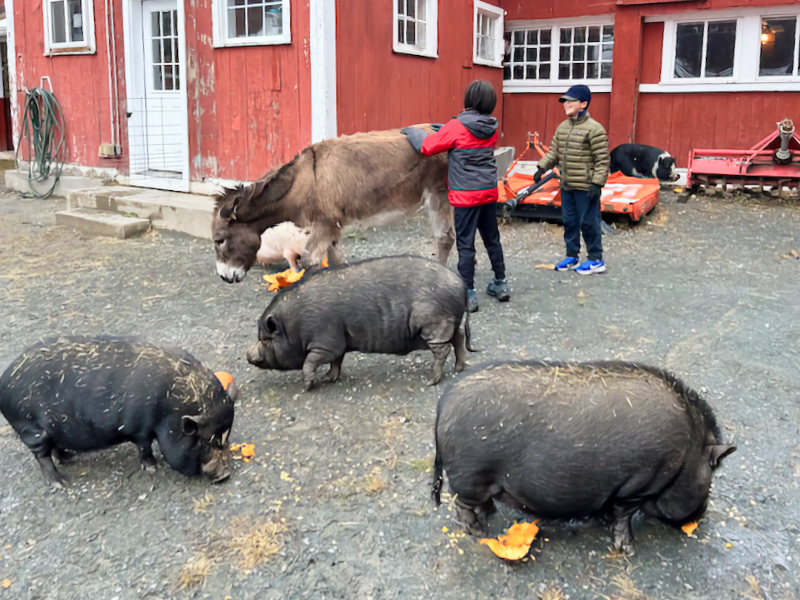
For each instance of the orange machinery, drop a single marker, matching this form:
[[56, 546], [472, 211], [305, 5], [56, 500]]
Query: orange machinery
[[621, 195]]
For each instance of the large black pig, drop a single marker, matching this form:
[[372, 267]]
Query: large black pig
[[75, 394], [391, 305], [567, 440]]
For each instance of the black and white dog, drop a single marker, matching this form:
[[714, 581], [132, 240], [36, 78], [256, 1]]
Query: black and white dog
[[638, 160]]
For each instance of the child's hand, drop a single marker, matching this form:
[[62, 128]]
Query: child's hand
[[594, 192]]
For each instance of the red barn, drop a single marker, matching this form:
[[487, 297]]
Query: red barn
[[168, 93]]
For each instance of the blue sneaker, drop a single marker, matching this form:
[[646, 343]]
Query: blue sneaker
[[472, 301], [591, 266], [571, 262]]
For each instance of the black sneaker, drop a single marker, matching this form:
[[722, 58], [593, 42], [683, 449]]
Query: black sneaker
[[472, 301], [499, 289]]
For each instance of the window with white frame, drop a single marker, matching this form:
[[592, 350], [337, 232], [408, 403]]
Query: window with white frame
[[705, 49], [251, 22], [488, 39], [415, 27], [779, 47], [560, 53], [69, 26], [744, 49]]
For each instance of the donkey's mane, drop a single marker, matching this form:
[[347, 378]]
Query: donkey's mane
[[247, 192]]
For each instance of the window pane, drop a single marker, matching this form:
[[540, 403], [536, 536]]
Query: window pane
[[58, 22], [777, 47], [719, 49], [544, 72], [237, 23], [401, 7], [530, 72], [519, 38], [608, 33], [158, 81], [412, 12], [506, 73], [401, 31], [420, 34], [688, 50], [533, 37], [565, 52], [519, 72], [605, 70], [594, 34], [580, 35], [544, 37], [75, 21], [421, 10], [411, 33], [531, 55], [155, 24], [544, 54], [168, 83], [157, 51], [255, 21], [563, 71], [166, 23], [577, 71], [519, 54], [593, 52], [177, 80], [592, 70], [579, 53], [566, 36]]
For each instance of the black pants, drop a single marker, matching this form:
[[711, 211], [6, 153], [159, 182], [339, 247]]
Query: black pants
[[481, 218], [581, 215]]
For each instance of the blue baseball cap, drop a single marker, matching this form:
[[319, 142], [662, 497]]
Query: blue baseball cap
[[577, 93]]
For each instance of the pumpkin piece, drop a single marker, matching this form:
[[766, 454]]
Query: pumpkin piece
[[516, 543], [548, 266], [689, 528], [224, 378], [283, 279], [246, 451]]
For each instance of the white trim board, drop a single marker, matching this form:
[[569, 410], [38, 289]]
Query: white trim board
[[12, 70], [322, 50]]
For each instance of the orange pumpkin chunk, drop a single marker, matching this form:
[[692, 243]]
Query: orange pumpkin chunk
[[516, 543]]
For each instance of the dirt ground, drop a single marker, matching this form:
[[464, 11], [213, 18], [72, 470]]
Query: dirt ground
[[336, 502]]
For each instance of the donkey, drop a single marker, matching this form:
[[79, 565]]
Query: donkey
[[368, 178]]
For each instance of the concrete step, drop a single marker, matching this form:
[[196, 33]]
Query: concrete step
[[19, 183], [99, 222], [187, 213]]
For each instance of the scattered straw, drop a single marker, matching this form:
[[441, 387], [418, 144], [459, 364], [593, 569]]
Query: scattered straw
[[252, 544], [195, 572]]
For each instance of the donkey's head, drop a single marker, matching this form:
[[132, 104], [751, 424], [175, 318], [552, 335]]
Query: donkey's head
[[242, 214]]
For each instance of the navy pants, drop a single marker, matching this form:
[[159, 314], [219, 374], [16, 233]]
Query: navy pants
[[482, 218], [581, 216]]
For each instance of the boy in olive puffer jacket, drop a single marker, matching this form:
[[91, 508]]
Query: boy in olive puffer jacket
[[580, 146]]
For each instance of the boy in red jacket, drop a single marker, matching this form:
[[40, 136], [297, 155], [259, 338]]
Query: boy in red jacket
[[470, 139]]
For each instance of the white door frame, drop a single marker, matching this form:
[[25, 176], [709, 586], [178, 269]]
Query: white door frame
[[132, 15]]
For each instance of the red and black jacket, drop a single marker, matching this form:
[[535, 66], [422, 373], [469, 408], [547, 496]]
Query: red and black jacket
[[470, 140]]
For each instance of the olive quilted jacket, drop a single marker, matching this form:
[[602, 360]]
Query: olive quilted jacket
[[580, 146]]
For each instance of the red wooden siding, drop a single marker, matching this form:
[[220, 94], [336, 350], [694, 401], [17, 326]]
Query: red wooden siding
[[652, 44], [679, 122], [249, 108], [380, 89], [80, 83], [542, 113]]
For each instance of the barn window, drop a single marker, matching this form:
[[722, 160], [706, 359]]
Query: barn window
[[251, 22], [779, 47], [415, 27], [705, 49], [488, 25], [558, 54], [69, 27]]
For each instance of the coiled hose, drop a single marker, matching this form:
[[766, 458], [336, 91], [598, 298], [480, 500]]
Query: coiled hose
[[42, 133]]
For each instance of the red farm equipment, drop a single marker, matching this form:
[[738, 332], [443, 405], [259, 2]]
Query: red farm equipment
[[774, 162]]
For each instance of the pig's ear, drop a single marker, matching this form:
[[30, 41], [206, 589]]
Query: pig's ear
[[233, 391], [191, 425], [716, 452]]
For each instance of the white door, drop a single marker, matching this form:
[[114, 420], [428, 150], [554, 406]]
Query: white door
[[157, 122]]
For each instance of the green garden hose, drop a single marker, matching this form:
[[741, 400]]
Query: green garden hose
[[42, 132]]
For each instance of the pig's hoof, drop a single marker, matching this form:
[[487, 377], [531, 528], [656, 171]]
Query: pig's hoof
[[149, 466], [460, 367], [434, 380], [310, 385]]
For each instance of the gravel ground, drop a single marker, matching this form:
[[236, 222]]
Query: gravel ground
[[336, 502]]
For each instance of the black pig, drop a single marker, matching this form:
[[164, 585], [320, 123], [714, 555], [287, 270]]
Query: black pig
[[68, 394], [567, 440], [390, 305]]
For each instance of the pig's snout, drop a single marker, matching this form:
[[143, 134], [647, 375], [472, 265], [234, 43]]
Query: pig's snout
[[256, 355], [218, 466]]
